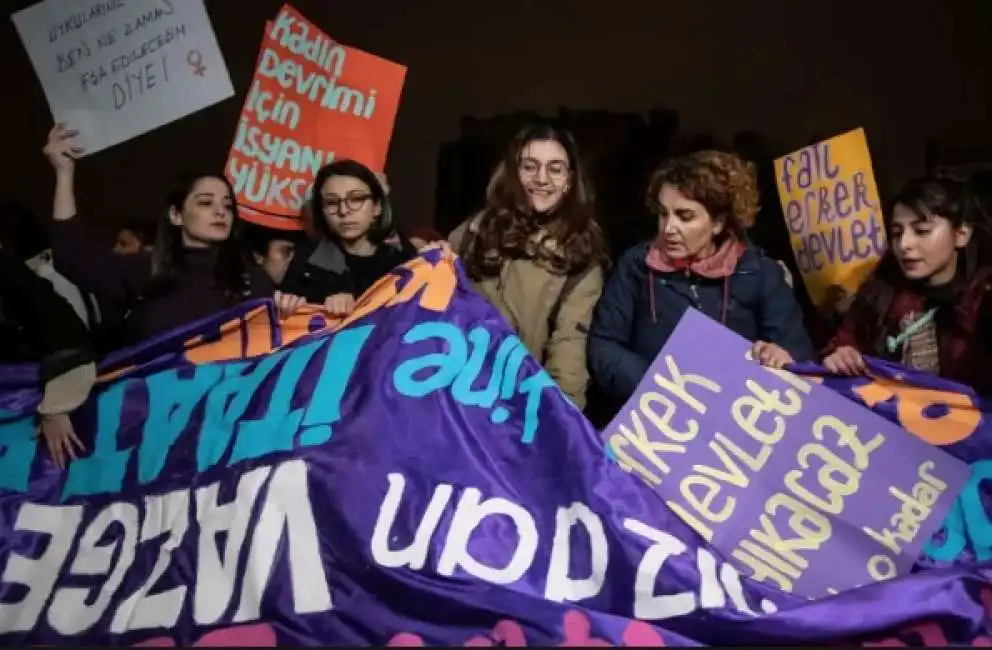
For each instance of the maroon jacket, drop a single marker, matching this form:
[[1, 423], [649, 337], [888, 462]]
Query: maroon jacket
[[964, 330]]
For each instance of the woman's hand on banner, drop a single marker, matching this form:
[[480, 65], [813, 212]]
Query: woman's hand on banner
[[845, 360], [61, 149], [60, 438], [340, 304], [423, 246], [771, 355], [287, 303]]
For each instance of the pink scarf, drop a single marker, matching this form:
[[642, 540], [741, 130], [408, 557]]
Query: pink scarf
[[720, 264]]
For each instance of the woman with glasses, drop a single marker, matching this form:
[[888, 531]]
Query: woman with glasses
[[537, 254], [701, 259], [352, 217]]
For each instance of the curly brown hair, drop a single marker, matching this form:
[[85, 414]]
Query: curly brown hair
[[568, 240], [723, 183]]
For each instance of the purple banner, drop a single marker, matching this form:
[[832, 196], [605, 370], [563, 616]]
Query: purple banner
[[410, 476], [803, 489]]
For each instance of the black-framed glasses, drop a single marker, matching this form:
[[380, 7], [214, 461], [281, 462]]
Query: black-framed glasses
[[557, 170], [352, 202]]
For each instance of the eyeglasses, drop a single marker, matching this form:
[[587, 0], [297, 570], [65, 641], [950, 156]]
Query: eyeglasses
[[353, 202], [557, 170]]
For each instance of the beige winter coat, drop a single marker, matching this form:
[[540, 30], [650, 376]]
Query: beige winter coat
[[525, 294]]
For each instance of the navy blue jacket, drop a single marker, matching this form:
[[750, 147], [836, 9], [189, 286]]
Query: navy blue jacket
[[628, 332]]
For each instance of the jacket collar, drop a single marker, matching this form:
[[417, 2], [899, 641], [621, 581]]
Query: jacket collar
[[329, 257]]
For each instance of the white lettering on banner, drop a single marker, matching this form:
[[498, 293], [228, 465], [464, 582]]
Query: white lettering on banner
[[126, 69], [166, 513], [38, 575], [415, 554], [109, 541], [470, 512], [286, 511], [107, 546], [216, 570], [561, 587], [719, 582]]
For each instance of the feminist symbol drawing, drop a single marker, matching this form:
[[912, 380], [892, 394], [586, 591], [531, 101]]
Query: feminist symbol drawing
[[195, 60]]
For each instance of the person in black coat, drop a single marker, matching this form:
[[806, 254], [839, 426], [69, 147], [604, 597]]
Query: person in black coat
[[39, 324], [353, 218]]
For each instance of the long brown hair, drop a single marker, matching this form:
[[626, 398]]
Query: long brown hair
[[565, 241]]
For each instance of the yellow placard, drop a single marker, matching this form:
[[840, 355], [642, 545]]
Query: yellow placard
[[833, 213]]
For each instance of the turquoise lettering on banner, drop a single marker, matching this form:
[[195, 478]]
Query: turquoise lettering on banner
[[976, 518], [18, 447], [171, 401], [225, 391], [275, 430], [103, 470], [968, 521], [227, 403], [955, 538], [325, 403], [459, 367], [448, 364]]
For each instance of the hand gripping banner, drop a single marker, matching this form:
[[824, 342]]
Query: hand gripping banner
[[411, 476]]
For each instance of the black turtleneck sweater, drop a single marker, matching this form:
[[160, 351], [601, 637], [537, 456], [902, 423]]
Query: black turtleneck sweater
[[191, 294]]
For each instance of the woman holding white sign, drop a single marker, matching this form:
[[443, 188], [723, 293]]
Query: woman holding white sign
[[197, 265], [700, 259]]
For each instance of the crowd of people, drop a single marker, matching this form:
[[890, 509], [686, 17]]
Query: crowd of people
[[536, 252]]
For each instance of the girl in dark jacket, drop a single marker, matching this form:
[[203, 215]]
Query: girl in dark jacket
[[700, 259], [353, 218], [928, 305], [196, 268]]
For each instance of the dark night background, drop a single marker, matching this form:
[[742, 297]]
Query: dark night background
[[914, 73]]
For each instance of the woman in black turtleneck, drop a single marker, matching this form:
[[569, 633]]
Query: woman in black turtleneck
[[352, 214], [196, 268]]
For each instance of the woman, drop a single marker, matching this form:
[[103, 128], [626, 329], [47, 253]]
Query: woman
[[700, 258], [927, 304], [353, 218], [537, 254], [196, 268], [40, 325]]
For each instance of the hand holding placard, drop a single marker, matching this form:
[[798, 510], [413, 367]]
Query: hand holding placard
[[803, 488]]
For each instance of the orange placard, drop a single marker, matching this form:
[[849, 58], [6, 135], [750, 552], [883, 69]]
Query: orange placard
[[311, 101]]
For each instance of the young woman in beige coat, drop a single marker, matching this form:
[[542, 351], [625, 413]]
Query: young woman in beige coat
[[537, 254]]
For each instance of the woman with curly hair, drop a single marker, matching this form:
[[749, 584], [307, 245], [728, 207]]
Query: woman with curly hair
[[701, 259], [537, 254], [928, 304]]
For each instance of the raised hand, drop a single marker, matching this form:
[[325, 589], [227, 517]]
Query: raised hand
[[61, 148]]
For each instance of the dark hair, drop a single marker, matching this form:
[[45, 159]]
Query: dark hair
[[168, 253], [257, 238], [20, 230], [508, 225], [928, 197], [382, 226], [723, 183]]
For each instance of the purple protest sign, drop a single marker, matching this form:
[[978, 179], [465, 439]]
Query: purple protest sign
[[796, 485]]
